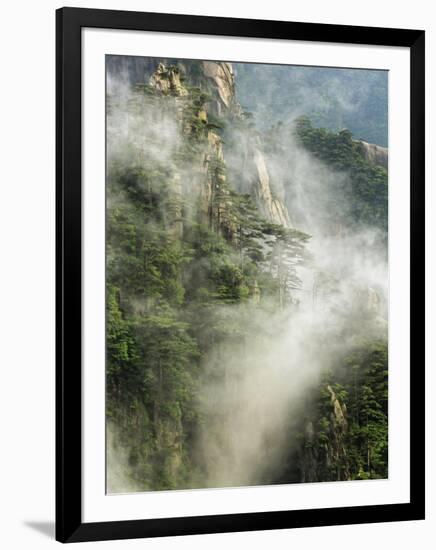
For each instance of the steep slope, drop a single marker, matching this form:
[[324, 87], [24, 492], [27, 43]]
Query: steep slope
[[238, 351], [183, 244], [252, 168]]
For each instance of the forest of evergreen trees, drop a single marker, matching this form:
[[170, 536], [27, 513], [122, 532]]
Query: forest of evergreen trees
[[193, 277]]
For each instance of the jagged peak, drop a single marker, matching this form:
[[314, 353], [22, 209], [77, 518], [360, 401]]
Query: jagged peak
[[166, 80]]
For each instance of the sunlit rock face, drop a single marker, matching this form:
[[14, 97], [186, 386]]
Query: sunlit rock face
[[375, 153], [255, 169], [222, 75], [271, 207], [167, 81], [219, 81]]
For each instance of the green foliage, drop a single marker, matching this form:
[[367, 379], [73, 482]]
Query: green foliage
[[122, 355], [181, 284], [365, 184], [366, 374], [360, 385]]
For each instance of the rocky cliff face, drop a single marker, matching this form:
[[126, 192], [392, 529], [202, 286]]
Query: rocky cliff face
[[323, 451], [167, 81], [221, 74], [216, 79], [252, 169], [271, 207], [375, 153]]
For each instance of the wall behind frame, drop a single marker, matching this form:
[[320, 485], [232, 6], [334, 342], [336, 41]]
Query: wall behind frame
[[27, 211]]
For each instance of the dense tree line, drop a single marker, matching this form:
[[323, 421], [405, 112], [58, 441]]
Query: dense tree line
[[365, 185]]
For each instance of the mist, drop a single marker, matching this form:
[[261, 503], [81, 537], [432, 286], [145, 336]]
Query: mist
[[332, 97], [250, 416], [255, 384]]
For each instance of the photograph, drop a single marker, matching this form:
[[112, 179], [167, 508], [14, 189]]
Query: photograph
[[247, 274]]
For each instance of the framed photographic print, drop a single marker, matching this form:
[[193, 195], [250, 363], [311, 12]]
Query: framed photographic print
[[240, 274]]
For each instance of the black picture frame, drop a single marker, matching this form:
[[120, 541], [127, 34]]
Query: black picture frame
[[69, 525]]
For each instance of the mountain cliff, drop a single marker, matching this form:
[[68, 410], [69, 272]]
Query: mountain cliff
[[239, 350], [253, 173], [375, 154]]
